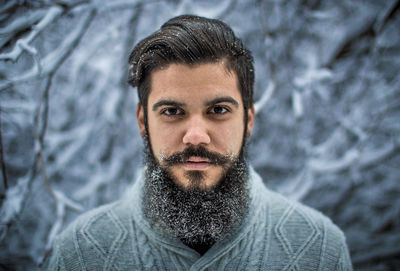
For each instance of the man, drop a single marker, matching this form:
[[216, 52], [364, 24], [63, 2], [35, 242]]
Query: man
[[198, 205]]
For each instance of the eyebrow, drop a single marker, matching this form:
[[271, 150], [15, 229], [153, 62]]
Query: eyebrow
[[226, 99], [218, 100], [168, 103]]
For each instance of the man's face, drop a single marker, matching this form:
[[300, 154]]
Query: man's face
[[195, 107]]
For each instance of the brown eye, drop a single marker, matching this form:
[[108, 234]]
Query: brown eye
[[172, 111], [219, 110]]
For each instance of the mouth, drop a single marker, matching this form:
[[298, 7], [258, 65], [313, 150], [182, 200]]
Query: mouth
[[196, 163]]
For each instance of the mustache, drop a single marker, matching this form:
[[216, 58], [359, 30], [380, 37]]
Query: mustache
[[214, 158]]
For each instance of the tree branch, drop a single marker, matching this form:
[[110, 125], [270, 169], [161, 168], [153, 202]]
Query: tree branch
[[359, 27], [17, 195], [52, 14], [15, 199], [266, 97], [42, 132], [23, 23], [353, 157], [380, 252], [62, 203], [53, 60], [227, 9], [8, 6], [270, 90], [2, 161], [123, 4], [389, 13]]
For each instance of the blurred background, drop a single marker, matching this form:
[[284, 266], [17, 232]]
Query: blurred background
[[327, 99]]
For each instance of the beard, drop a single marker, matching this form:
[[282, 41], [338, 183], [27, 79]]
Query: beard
[[196, 216]]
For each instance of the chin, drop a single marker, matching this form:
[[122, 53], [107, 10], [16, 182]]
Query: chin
[[189, 180]]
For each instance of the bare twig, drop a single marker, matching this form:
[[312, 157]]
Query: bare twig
[[42, 131], [2, 161], [45, 101]]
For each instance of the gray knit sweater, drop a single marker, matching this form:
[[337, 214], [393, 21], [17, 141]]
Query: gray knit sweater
[[278, 234]]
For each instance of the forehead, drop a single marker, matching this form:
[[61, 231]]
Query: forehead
[[198, 82]]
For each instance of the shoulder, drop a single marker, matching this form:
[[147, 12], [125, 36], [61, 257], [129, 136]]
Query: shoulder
[[285, 209], [93, 235], [98, 220], [291, 216], [302, 232], [286, 214]]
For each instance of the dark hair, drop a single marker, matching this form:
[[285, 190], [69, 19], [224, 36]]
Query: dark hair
[[191, 40]]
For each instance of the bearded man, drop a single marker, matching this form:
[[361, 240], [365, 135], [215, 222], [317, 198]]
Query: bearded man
[[198, 205]]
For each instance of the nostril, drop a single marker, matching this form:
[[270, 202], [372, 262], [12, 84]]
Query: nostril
[[196, 136]]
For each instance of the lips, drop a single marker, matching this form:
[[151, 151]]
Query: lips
[[197, 163]]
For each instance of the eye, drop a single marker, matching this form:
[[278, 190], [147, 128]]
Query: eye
[[219, 110], [172, 111]]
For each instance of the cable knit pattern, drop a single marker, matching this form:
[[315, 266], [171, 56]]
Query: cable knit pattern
[[277, 234]]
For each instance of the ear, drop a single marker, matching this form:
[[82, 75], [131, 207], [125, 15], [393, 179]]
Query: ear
[[140, 120], [250, 120]]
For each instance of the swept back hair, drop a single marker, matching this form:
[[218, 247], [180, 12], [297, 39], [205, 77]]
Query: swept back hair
[[191, 40]]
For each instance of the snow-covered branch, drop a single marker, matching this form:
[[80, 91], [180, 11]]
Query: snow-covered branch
[[268, 47], [380, 252], [23, 23], [8, 6], [221, 10], [17, 195], [54, 59], [265, 98], [52, 14], [385, 16], [346, 161], [298, 187], [353, 157], [357, 27], [2, 160], [62, 202]]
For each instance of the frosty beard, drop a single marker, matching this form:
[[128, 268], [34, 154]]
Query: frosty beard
[[196, 216]]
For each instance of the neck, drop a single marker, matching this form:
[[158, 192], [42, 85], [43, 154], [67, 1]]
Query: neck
[[201, 248]]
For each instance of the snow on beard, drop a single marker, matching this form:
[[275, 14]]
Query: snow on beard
[[194, 215]]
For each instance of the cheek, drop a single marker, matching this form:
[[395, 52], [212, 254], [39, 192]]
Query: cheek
[[163, 138], [228, 138]]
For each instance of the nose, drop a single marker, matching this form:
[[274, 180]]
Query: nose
[[196, 133]]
